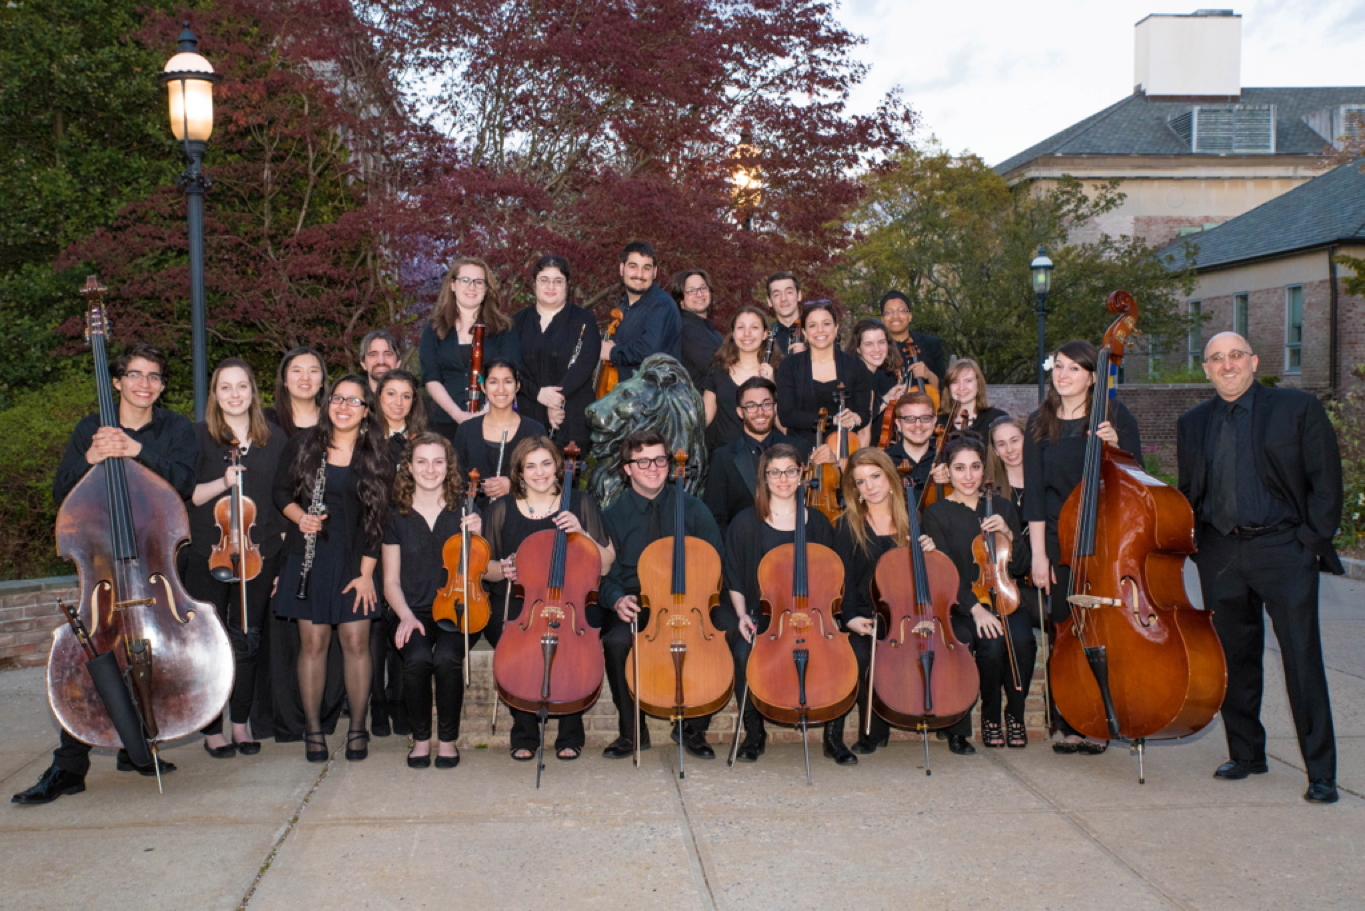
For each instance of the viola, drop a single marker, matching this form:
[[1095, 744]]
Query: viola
[[682, 664], [802, 670], [1134, 661], [475, 403], [607, 373], [924, 678], [994, 586], [823, 491], [235, 558], [122, 525], [549, 660], [461, 605]]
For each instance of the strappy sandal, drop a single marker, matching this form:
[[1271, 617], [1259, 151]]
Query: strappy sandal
[[1016, 735], [313, 739], [991, 734], [522, 754], [568, 754], [355, 754]]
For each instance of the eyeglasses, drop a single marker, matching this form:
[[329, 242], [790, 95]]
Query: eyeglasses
[[777, 474], [546, 282], [472, 282], [656, 462], [917, 418], [1235, 356], [354, 401], [138, 377], [758, 406], [891, 312], [694, 291]]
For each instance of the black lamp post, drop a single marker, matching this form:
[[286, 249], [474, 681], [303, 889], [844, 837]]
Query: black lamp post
[[1042, 283], [189, 80]]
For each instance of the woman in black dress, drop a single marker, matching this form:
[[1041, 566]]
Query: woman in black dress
[[807, 381], [871, 342], [299, 387], [469, 296], [343, 464], [428, 494], [740, 356], [1054, 459], [769, 523], [233, 420], [537, 479], [486, 442], [559, 344], [954, 523], [401, 410], [965, 404]]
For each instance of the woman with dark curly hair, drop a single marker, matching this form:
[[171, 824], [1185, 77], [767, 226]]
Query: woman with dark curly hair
[[403, 415], [342, 464]]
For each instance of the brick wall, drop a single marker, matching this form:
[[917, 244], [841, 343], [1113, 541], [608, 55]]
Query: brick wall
[[28, 614]]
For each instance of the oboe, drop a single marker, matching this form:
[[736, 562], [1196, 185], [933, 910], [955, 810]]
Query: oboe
[[315, 508]]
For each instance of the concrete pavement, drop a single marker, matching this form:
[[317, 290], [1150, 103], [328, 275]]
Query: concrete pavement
[[1017, 828]]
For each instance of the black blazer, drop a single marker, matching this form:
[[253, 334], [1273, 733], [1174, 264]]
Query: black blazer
[[1296, 458], [796, 390]]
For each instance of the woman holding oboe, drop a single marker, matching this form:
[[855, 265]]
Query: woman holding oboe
[[485, 443]]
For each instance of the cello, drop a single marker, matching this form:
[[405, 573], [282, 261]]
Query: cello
[[682, 665], [1134, 661], [122, 525], [802, 670], [461, 606], [235, 558], [549, 661], [927, 678]]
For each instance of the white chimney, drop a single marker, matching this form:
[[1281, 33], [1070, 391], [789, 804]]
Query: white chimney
[[1189, 56]]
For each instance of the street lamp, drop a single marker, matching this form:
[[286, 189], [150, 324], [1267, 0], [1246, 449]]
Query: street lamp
[[1042, 283], [747, 180], [189, 80]]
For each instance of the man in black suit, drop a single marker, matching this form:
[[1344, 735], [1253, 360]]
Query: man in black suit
[[734, 467], [1261, 468]]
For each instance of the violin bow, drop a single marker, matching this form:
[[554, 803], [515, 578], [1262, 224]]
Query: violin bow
[[506, 598], [635, 662]]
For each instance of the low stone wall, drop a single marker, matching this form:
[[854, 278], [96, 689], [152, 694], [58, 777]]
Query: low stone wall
[[28, 614]]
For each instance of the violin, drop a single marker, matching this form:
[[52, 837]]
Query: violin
[[823, 492], [911, 352], [802, 670], [994, 586], [476, 369], [549, 660], [927, 678], [682, 664], [122, 525], [768, 347], [1134, 661], [235, 558], [607, 373], [934, 492], [461, 605]]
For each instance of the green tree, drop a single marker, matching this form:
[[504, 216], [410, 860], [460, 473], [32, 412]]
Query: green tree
[[957, 240]]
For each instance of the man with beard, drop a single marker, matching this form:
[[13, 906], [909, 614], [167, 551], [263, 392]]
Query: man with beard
[[378, 355], [734, 468], [650, 321]]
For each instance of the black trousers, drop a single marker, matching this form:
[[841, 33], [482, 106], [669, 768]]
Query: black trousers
[[1242, 580], [616, 644], [434, 657], [386, 690]]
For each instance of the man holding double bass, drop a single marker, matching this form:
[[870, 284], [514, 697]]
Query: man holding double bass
[[164, 442], [1261, 468]]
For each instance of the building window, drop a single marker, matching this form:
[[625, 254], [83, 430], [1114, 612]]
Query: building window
[[1293, 329], [1195, 346], [1241, 313]]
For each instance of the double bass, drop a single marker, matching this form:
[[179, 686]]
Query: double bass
[[1134, 661], [122, 525], [681, 664], [802, 669], [549, 660]]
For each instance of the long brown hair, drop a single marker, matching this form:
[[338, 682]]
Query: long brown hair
[[727, 355], [490, 311], [1048, 426], [416, 420], [405, 485], [855, 510], [258, 430], [959, 367], [762, 504], [515, 473], [892, 364], [997, 472]]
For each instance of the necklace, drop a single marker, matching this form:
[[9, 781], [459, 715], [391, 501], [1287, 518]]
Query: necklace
[[533, 513]]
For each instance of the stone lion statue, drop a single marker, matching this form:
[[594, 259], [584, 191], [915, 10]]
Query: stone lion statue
[[660, 396]]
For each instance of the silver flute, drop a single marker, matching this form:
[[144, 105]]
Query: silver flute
[[310, 540]]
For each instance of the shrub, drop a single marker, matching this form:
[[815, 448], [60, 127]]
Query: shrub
[[1347, 413]]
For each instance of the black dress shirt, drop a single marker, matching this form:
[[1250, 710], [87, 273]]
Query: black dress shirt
[[168, 449], [700, 341], [651, 325], [1256, 506], [954, 527], [565, 354], [749, 540], [628, 521], [447, 361], [422, 570]]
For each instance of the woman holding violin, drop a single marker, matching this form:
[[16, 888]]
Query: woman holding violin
[[871, 342], [768, 524], [965, 406], [428, 494], [955, 523], [469, 297], [300, 385], [809, 381], [537, 472], [236, 445], [333, 486], [1054, 457], [559, 343], [404, 415], [746, 352], [485, 443]]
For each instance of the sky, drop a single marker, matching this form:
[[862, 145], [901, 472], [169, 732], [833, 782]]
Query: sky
[[993, 78]]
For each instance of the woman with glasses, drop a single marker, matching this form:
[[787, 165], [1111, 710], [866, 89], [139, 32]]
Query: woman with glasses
[[770, 523], [1054, 460], [299, 388], [809, 381], [691, 288], [486, 443], [741, 356], [333, 486], [965, 405], [871, 342], [469, 297], [559, 343]]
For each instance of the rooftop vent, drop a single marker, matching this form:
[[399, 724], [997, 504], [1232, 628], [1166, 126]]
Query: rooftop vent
[[1227, 129], [1341, 126]]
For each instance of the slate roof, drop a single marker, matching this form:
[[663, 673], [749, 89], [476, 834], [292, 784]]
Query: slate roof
[[1139, 125], [1326, 210]]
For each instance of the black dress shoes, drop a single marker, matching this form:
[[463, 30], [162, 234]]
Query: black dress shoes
[[248, 747], [226, 751], [694, 742], [1321, 790], [960, 745], [752, 748], [1237, 769], [834, 744], [124, 764], [865, 745], [622, 747], [55, 783]]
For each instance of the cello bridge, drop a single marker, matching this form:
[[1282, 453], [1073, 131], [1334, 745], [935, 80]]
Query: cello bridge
[[139, 602], [924, 629]]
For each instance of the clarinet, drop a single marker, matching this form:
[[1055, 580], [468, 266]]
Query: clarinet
[[315, 508]]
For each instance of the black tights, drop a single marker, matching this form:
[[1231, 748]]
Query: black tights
[[314, 640]]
